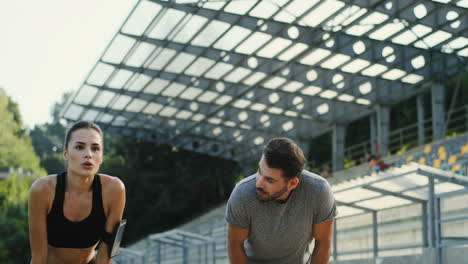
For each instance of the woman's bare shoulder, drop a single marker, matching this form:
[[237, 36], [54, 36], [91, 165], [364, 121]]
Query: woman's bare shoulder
[[44, 188], [111, 183]]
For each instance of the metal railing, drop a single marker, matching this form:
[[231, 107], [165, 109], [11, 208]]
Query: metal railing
[[408, 136]]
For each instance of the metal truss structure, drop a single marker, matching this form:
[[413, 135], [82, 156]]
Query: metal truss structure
[[223, 77]]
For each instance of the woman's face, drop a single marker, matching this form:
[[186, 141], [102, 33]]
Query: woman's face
[[84, 152]]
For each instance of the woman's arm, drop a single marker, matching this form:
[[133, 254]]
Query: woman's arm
[[37, 216], [116, 205]]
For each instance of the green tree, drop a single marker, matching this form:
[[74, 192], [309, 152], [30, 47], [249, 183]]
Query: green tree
[[16, 148], [14, 246]]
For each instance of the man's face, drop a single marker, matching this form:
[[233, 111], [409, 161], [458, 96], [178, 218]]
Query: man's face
[[270, 183]]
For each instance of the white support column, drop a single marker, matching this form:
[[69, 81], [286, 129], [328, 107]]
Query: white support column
[[339, 133], [373, 132], [421, 135], [383, 128], [438, 111]]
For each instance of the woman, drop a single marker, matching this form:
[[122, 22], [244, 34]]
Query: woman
[[69, 212]]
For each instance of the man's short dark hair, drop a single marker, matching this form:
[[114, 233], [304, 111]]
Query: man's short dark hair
[[285, 154]]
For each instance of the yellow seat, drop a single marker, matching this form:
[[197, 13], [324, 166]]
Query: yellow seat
[[443, 155], [456, 168], [409, 159], [464, 149], [441, 149], [422, 161], [452, 159], [437, 163], [427, 149]]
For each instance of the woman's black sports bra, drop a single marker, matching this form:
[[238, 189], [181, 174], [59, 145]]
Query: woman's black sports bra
[[64, 233]]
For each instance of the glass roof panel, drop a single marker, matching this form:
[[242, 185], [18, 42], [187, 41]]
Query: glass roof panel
[[375, 70], [386, 31], [219, 70], [207, 96], [173, 90], [335, 61], [345, 17], [232, 37], [255, 41], [156, 85], [194, 24], [210, 33], [322, 12], [315, 56], [90, 115], [258, 107], [394, 74], [121, 102], [167, 24], [237, 74], [163, 57], [311, 90], [412, 34], [191, 93], [104, 98], [241, 103], [100, 74], [183, 114], [136, 105], [140, 19], [120, 78], [292, 86], [412, 78], [239, 7], [199, 66], [168, 111], [141, 53], [264, 10], [355, 66], [152, 108], [74, 111], [140, 80], [293, 51], [329, 94], [274, 47], [86, 95], [118, 49], [106, 118], [223, 99], [274, 82], [180, 62], [433, 39]]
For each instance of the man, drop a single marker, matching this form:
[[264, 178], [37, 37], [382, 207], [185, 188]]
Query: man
[[275, 214]]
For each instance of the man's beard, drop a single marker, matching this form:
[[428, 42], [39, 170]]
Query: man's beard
[[273, 196]]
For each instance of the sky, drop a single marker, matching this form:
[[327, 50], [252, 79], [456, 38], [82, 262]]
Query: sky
[[48, 47]]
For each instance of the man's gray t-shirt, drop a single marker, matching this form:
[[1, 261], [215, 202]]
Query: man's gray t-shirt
[[281, 233]]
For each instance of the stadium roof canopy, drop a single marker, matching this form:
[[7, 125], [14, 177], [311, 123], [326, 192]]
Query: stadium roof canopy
[[222, 77], [413, 183]]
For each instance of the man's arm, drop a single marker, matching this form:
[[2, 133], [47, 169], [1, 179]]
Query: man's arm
[[117, 205], [236, 238], [323, 239]]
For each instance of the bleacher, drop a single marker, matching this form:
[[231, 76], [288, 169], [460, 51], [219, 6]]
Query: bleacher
[[395, 224]]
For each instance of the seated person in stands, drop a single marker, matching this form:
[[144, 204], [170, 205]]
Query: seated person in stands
[[326, 171], [376, 164]]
